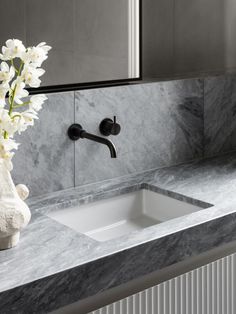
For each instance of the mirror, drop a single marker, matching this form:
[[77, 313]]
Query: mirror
[[92, 40]]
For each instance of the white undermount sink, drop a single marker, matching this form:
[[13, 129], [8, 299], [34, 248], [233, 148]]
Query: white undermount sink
[[110, 218]]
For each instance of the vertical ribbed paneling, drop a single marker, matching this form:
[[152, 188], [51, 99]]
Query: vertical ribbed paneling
[[233, 269], [206, 290]]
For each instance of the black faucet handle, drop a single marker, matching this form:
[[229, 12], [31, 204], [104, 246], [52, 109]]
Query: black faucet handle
[[109, 127], [115, 127]]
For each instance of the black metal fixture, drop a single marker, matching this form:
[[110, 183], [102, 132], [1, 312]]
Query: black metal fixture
[[75, 132], [109, 127]]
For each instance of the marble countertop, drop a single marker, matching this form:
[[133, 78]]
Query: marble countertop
[[54, 265]]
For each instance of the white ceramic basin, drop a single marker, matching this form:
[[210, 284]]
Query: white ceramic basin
[[110, 218]]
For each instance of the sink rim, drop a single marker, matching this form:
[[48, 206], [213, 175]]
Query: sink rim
[[84, 198], [116, 192]]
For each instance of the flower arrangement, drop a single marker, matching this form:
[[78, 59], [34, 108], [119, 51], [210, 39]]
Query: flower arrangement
[[20, 67]]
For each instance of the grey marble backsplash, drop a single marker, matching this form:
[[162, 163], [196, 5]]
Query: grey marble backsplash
[[220, 115], [163, 124], [45, 158]]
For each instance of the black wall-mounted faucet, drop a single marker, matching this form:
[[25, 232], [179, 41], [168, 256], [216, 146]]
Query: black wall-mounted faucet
[[76, 132]]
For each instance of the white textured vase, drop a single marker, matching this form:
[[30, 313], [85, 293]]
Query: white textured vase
[[14, 213]]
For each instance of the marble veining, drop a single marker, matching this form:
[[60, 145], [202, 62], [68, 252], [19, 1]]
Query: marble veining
[[219, 114], [161, 125], [46, 150], [182, 120], [63, 266]]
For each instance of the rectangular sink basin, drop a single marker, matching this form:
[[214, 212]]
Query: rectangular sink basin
[[110, 218]]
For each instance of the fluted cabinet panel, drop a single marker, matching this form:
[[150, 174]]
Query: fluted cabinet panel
[[209, 289]]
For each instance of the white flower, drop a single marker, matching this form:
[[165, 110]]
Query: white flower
[[6, 154], [20, 91], [36, 55], [21, 120], [12, 122], [18, 122], [29, 116], [44, 46], [36, 102], [4, 87], [8, 124], [6, 73], [14, 49], [8, 145], [26, 119], [3, 91], [5, 120], [31, 75]]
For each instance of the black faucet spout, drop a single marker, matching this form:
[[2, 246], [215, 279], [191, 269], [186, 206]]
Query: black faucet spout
[[100, 140], [76, 132]]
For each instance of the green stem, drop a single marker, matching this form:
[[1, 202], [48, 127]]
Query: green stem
[[12, 97], [15, 116], [12, 63], [22, 105], [13, 93], [20, 68], [12, 100]]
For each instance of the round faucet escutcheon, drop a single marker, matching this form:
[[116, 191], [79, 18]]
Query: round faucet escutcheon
[[109, 127], [74, 131]]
